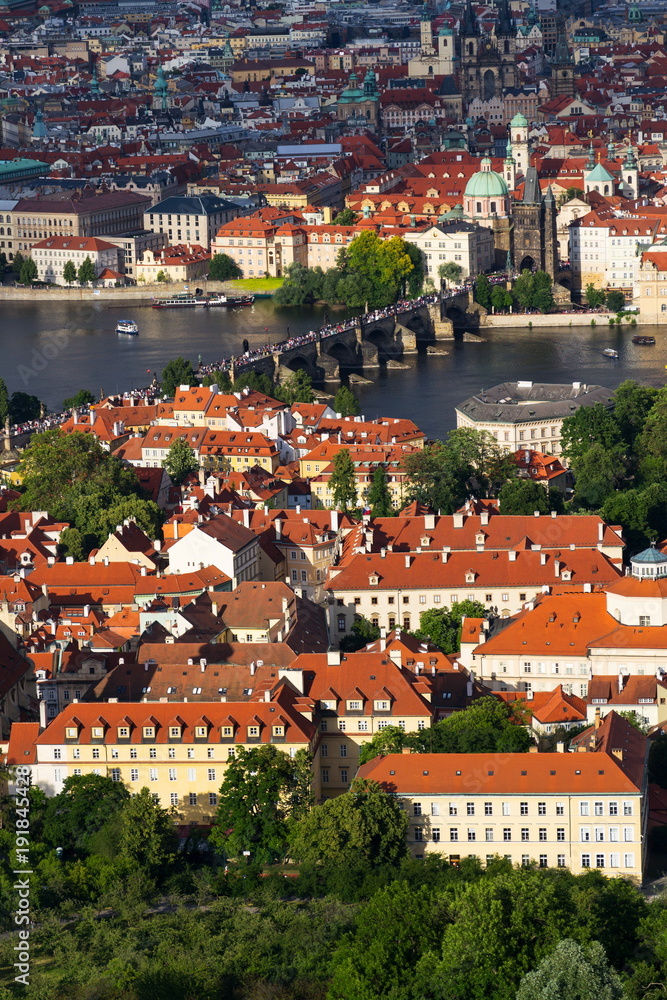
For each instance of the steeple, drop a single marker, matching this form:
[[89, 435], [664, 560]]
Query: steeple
[[505, 23], [630, 163], [590, 164], [561, 52], [470, 26], [611, 150], [94, 83]]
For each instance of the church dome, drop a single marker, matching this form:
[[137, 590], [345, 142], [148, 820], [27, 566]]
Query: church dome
[[519, 121], [486, 183]]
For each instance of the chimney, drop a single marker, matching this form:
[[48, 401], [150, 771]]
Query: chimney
[[598, 720], [175, 526], [536, 513], [484, 518], [469, 689], [335, 520], [333, 658], [458, 520], [560, 748], [444, 555], [395, 657], [617, 752], [600, 531], [278, 525], [512, 555], [202, 665], [408, 560], [556, 568], [214, 609], [246, 517], [429, 522], [543, 558], [253, 668], [86, 610], [406, 750], [554, 513], [69, 560]]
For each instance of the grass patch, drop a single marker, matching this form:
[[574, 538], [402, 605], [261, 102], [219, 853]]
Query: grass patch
[[256, 284]]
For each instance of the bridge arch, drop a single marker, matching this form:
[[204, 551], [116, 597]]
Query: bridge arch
[[298, 362], [379, 337], [344, 353]]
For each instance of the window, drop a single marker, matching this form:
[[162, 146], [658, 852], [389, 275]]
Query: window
[[644, 621], [613, 808], [585, 861], [506, 808], [325, 775], [417, 809], [56, 754], [470, 808], [152, 753], [507, 833], [627, 808], [583, 808], [211, 774], [453, 833], [542, 833], [560, 809], [471, 834], [543, 861], [153, 774], [628, 833], [213, 798], [173, 798], [628, 861], [435, 834], [172, 774], [453, 810], [599, 809], [488, 809], [115, 774], [599, 860], [96, 753], [599, 833], [488, 833], [418, 833], [560, 833], [541, 808], [341, 623], [324, 749], [133, 753], [435, 808], [192, 797], [525, 833], [344, 776], [523, 809], [192, 774]]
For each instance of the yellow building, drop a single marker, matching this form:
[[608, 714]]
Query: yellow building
[[178, 751], [557, 810], [652, 282]]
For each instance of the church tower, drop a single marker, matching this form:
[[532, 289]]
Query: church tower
[[519, 141], [488, 64], [426, 32], [446, 55], [160, 91], [506, 34], [630, 175], [562, 70], [509, 167], [535, 237]]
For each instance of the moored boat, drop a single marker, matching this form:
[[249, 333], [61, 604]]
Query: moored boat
[[645, 341], [609, 352]]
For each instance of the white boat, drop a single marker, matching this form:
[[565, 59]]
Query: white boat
[[127, 326], [609, 352]]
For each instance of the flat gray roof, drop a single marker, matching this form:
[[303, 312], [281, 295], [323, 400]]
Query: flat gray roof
[[523, 402]]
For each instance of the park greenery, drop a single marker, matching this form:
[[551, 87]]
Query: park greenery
[[597, 297], [369, 273], [442, 626], [530, 291], [18, 408], [122, 911], [224, 268], [73, 478], [446, 473], [619, 460]]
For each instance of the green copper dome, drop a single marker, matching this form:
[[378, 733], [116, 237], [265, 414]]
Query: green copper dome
[[486, 183], [519, 121]]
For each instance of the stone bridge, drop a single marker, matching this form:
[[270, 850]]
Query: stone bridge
[[367, 341]]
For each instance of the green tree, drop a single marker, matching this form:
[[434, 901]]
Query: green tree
[[483, 291], [302, 286], [345, 218], [346, 403], [391, 739], [525, 496], [147, 835], [145, 513], [395, 928], [18, 262], [597, 474], [24, 407], [28, 271], [524, 288], [641, 512], [450, 271], [595, 297], [224, 268], [501, 299], [180, 461], [81, 810], [176, 373], [82, 398], [69, 272], [363, 825], [651, 443], [297, 388], [632, 404], [219, 378], [254, 804], [442, 627], [571, 972], [414, 285], [615, 301], [72, 544], [4, 403], [161, 276], [542, 297], [489, 725], [361, 634], [378, 268], [378, 496], [587, 426], [86, 273], [343, 482], [73, 478]]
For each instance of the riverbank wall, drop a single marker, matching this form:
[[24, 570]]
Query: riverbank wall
[[537, 320], [141, 295]]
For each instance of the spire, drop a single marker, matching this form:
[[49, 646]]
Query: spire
[[630, 163], [424, 14], [549, 196], [505, 22], [470, 26], [561, 52], [591, 157], [611, 150], [509, 157]]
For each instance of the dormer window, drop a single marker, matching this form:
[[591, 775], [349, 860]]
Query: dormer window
[[97, 733], [71, 732], [174, 732], [201, 731], [373, 579], [354, 706], [381, 706], [253, 732], [479, 539], [149, 732], [425, 541], [470, 576], [278, 730], [227, 731], [328, 705], [566, 574], [123, 732]]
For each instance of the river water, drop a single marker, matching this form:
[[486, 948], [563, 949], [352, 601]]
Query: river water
[[54, 349]]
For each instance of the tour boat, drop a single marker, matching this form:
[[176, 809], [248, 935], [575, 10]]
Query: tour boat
[[127, 326], [179, 302], [609, 352], [646, 341]]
